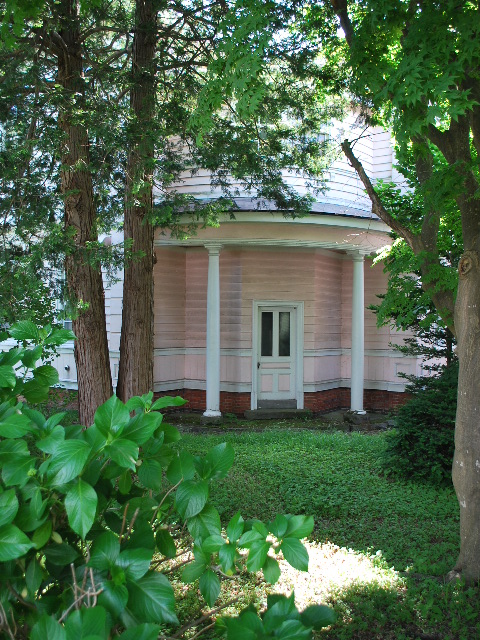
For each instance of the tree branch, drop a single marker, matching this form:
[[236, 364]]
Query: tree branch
[[377, 206], [341, 9], [443, 299]]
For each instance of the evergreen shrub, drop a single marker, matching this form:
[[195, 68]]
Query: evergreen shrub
[[422, 444]]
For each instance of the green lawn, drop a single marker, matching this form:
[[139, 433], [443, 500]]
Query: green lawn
[[380, 545]]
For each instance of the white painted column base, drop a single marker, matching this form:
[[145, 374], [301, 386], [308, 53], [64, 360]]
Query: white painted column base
[[213, 332], [212, 414], [358, 335]]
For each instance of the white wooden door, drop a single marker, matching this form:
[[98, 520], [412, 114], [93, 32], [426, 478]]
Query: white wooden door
[[276, 357]]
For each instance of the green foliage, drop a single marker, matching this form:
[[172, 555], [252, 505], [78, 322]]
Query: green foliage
[[422, 445], [406, 304], [341, 483], [88, 516], [280, 620]]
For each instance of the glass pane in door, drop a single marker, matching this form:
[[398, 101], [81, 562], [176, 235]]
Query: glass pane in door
[[284, 333], [267, 333]]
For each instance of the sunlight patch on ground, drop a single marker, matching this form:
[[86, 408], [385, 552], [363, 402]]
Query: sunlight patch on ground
[[332, 570]]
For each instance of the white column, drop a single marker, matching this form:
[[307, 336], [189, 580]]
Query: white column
[[213, 332], [358, 331]]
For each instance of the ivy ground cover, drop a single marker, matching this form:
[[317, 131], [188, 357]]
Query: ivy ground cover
[[381, 547]]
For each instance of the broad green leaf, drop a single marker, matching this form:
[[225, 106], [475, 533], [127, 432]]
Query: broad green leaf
[[24, 330], [257, 555], [7, 377], [33, 576], [113, 598], [60, 554], [48, 628], [299, 527], [46, 375], [142, 536], [31, 356], [213, 543], [8, 506], [193, 571], [206, 523], [105, 551], [16, 425], [209, 585], [51, 442], [135, 562], [249, 538], [123, 452], [238, 630], [68, 461], [182, 467], [37, 503], [27, 518], [220, 459], [145, 631], [165, 543], [13, 449], [86, 622], [293, 630], [271, 570], [35, 416], [34, 391], [279, 526], [112, 416], [81, 505], [42, 535], [13, 543], [16, 470], [94, 437], [191, 497], [171, 433], [135, 403], [259, 526], [227, 556], [125, 482], [54, 420], [59, 337], [318, 616], [152, 599], [295, 553], [235, 527], [12, 356], [167, 401], [279, 608], [150, 474], [142, 427]]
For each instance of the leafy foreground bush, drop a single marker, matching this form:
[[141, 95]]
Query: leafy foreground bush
[[86, 516], [422, 445]]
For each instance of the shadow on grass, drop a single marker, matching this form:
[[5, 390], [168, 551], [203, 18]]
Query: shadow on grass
[[425, 610]]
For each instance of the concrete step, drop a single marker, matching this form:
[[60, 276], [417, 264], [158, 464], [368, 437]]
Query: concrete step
[[276, 414]]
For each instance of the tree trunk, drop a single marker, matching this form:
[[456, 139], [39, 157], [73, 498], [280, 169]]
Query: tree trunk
[[135, 374], [466, 463], [84, 281]]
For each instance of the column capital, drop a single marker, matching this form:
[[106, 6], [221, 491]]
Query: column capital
[[358, 255], [213, 248]]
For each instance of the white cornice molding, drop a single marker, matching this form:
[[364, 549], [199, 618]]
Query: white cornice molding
[[315, 221]]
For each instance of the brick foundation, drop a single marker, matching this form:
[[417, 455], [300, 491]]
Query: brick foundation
[[318, 402]]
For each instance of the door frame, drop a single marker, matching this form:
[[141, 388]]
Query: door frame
[[298, 306]]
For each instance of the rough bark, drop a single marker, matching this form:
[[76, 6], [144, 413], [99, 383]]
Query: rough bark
[[135, 375], [466, 463], [84, 281]]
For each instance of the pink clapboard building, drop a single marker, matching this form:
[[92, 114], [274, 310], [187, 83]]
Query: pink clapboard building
[[267, 311]]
